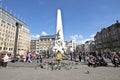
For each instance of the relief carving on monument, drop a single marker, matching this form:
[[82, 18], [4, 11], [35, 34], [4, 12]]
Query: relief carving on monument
[[58, 34]]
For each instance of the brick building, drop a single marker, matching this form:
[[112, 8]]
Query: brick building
[[108, 39]]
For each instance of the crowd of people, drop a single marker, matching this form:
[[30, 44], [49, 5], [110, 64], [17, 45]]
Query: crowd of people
[[91, 59], [100, 59], [96, 59]]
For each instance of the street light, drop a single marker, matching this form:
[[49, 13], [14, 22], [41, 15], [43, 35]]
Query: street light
[[16, 41]]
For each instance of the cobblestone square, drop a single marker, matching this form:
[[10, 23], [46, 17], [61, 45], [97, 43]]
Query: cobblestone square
[[28, 71]]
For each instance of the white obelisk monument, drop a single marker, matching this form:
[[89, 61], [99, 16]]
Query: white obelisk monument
[[59, 40], [59, 30]]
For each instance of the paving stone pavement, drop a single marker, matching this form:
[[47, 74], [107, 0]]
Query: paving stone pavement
[[28, 71]]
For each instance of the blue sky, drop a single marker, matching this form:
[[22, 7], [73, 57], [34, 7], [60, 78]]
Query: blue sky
[[81, 18]]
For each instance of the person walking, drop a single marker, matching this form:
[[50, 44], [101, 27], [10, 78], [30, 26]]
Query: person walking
[[58, 59], [29, 57]]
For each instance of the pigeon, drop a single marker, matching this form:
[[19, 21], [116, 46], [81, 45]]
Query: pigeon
[[87, 72]]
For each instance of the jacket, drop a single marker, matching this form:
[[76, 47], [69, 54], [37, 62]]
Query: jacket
[[58, 56]]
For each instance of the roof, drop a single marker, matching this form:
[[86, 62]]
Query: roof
[[47, 36]]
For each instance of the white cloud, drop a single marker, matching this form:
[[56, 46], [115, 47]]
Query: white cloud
[[92, 36], [76, 37], [84, 40], [79, 38], [43, 33], [35, 36]]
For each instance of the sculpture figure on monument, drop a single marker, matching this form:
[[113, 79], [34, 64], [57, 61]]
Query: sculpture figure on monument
[[58, 34]]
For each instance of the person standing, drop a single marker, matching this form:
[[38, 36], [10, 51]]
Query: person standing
[[84, 56], [71, 55], [5, 60], [58, 59], [29, 57], [80, 56]]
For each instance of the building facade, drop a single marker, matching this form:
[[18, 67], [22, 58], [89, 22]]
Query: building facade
[[46, 42], [71, 46], [43, 44], [14, 34], [33, 45], [108, 39], [80, 48], [89, 46]]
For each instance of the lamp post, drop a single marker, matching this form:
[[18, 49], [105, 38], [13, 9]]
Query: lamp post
[[16, 40]]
